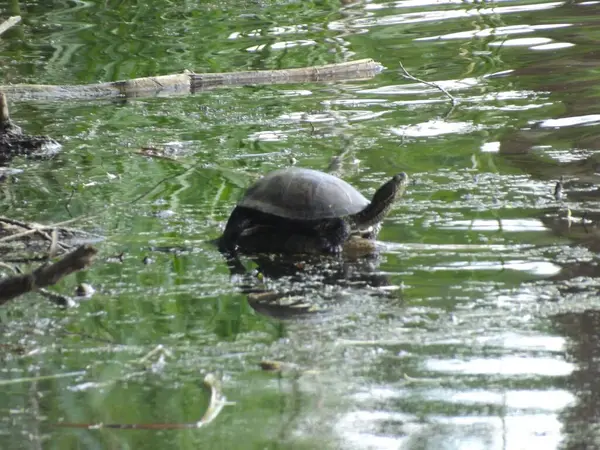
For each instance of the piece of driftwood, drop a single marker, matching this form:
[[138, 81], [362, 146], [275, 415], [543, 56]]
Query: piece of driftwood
[[13, 142], [9, 23], [190, 82], [46, 275]]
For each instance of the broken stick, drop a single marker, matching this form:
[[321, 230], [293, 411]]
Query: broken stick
[[46, 275]]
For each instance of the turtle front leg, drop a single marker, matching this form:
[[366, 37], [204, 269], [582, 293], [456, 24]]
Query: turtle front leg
[[237, 224], [333, 234], [372, 232]]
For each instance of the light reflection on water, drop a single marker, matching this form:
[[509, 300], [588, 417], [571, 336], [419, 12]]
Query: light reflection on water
[[540, 268], [592, 119], [504, 366], [436, 15], [496, 31], [495, 225], [436, 128], [466, 432]]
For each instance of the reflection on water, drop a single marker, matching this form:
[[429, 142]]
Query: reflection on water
[[582, 347], [475, 326], [496, 225]]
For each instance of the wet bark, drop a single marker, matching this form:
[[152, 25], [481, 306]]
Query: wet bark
[[189, 82]]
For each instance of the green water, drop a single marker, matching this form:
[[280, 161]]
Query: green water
[[476, 327]]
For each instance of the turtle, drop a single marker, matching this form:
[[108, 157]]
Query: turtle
[[297, 210]]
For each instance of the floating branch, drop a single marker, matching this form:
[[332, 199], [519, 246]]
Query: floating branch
[[190, 82], [47, 275], [9, 23]]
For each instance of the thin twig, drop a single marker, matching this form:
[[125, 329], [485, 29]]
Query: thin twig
[[35, 228], [41, 378], [407, 75], [42, 227], [7, 266], [9, 23]]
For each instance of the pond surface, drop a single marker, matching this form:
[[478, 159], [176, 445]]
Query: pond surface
[[475, 326]]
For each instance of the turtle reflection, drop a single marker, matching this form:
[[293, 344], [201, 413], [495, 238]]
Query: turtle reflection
[[291, 286]]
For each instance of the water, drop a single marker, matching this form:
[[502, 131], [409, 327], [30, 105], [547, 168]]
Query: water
[[476, 325]]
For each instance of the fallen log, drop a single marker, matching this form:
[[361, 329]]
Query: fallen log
[[189, 82]]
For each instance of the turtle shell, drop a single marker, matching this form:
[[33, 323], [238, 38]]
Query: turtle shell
[[303, 194]]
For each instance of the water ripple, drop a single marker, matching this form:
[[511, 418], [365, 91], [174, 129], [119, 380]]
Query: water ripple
[[496, 31]]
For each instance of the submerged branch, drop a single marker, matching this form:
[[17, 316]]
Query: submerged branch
[[46, 275], [34, 379], [216, 404], [190, 82], [9, 23]]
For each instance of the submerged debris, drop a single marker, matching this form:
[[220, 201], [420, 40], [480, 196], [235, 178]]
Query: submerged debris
[[27, 242], [22, 242]]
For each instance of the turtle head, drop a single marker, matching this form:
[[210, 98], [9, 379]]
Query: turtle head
[[391, 190], [382, 201]]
